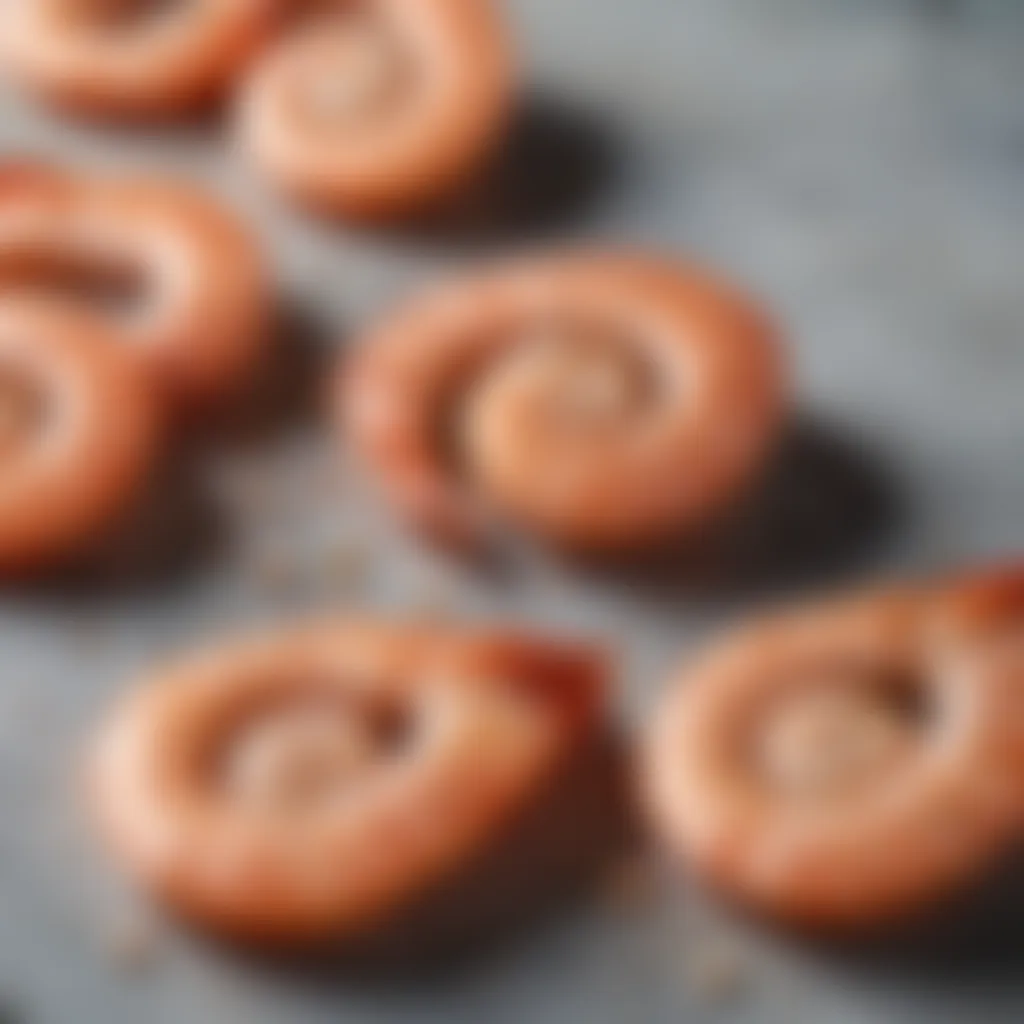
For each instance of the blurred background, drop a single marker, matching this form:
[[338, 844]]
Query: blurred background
[[860, 165]]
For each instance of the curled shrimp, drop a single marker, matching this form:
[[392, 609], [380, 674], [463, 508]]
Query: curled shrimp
[[132, 58], [382, 108], [827, 769], [79, 435], [173, 274], [603, 401], [308, 785]]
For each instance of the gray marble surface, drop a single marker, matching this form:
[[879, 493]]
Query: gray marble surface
[[860, 165]]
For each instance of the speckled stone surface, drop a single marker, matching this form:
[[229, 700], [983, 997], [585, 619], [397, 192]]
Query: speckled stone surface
[[861, 166]]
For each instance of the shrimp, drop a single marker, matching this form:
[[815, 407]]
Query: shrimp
[[176, 277], [132, 58], [824, 769], [79, 435], [307, 785], [381, 109], [602, 401]]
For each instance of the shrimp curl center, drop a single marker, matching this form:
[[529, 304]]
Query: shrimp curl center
[[823, 741], [302, 756]]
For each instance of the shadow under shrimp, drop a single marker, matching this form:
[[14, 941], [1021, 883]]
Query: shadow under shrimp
[[548, 862], [287, 394], [556, 164], [823, 509], [972, 943], [202, 126], [175, 531]]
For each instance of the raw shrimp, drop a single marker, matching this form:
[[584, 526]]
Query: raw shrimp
[[168, 270], [604, 401], [308, 785], [382, 108], [826, 769]]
